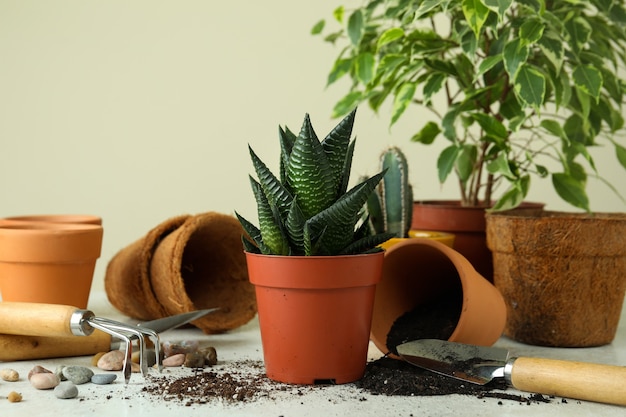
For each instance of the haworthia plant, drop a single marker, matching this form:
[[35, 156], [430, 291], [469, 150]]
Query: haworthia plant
[[308, 210]]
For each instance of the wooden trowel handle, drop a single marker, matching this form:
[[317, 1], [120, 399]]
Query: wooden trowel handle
[[578, 380], [35, 319], [18, 348]]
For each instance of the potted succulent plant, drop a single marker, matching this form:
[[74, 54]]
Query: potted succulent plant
[[516, 89], [312, 259]]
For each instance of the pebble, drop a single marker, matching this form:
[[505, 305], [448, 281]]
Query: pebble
[[150, 357], [112, 361], [59, 372], [96, 358], [103, 379], [9, 375], [194, 360], [66, 390], [44, 380], [174, 360], [210, 355], [38, 370], [174, 348], [14, 397], [77, 374]]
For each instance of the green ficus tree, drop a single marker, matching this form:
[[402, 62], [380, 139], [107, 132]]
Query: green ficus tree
[[516, 88]]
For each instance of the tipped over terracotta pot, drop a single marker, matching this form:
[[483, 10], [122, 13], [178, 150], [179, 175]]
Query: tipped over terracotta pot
[[417, 272]]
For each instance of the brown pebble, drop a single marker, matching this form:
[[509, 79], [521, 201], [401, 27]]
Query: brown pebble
[[38, 370], [9, 375], [174, 360], [210, 355], [194, 360], [112, 361], [14, 397], [44, 380], [96, 358]]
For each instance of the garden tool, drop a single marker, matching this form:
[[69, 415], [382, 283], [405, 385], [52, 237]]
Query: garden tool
[[34, 330], [479, 365]]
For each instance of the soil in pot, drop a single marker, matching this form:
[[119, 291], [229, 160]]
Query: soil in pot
[[435, 319]]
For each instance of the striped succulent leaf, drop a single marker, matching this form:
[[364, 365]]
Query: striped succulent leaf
[[339, 150], [287, 139], [273, 189], [341, 218], [295, 228], [270, 222], [309, 173]]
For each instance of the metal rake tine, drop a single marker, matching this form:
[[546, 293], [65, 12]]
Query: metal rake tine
[[112, 324], [128, 349]]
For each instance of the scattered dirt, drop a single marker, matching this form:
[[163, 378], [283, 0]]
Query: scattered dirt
[[245, 381]]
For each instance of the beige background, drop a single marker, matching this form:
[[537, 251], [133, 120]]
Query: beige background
[[142, 110]]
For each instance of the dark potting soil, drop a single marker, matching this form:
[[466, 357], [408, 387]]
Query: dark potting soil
[[245, 381], [435, 319]]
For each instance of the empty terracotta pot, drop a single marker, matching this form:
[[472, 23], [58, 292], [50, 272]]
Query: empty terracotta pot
[[48, 262], [418, 271]]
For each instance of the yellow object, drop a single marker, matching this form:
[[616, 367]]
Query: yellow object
[[445, 238]]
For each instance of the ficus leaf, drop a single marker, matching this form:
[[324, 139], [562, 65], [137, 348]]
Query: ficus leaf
[[571, 190], [530, 86], [403, 98], [446, 161]]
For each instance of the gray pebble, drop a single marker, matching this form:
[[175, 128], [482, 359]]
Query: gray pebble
[[103, 379], [66, 390], [77, 374]]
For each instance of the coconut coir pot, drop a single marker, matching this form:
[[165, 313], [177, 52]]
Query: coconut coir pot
[[561, 274], [184, 264]]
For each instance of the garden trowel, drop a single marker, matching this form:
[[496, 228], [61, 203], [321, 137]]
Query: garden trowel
[[479, 365]]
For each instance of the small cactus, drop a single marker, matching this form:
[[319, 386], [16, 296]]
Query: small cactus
[[390, 208]]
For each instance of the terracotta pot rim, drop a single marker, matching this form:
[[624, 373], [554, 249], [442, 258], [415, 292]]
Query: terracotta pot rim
[[56, 218], [38, 228], [330, 264], [450, 204]]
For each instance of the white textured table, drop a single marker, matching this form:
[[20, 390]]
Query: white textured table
[[244, 343]]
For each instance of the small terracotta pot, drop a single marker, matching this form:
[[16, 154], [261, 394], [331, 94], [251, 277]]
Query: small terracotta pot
[[48, 262], [415, 272], [562, 275], [315, 314], [56, 218]]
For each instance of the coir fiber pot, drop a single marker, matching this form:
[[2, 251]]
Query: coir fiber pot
[[185, 263], [315, 314], [201, 265], [418, 271], [563, 275], [48, 262]]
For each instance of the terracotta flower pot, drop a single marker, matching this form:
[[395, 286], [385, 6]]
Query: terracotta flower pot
[[48, 262], [315, 314], [561, 274], [418, 271]]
